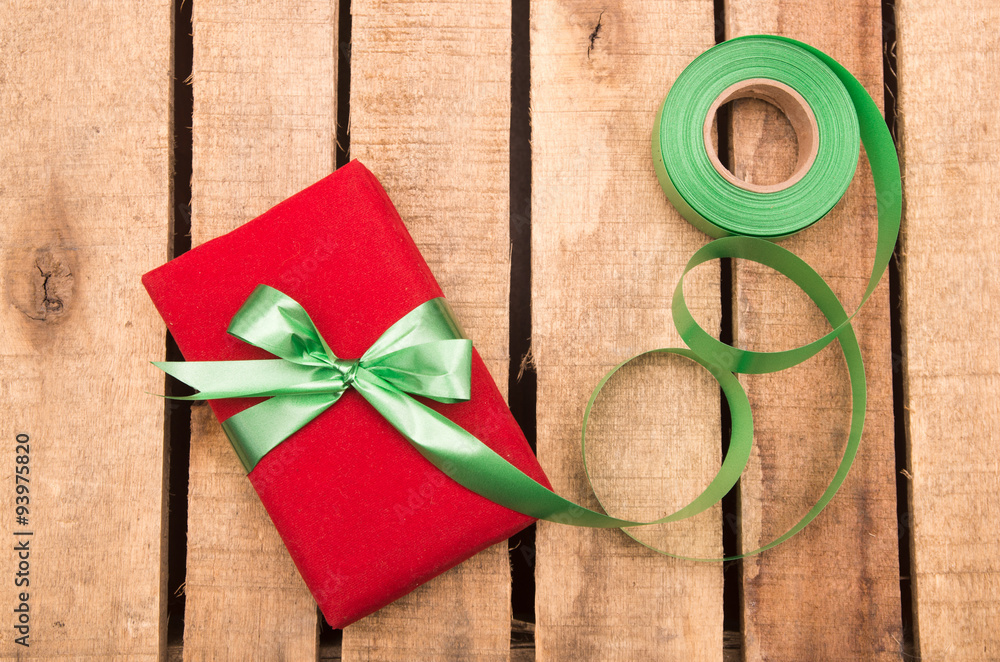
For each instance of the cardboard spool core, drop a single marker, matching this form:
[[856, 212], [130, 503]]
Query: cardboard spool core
[[795, 108]]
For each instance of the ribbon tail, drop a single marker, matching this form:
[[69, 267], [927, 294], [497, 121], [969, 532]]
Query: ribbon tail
[[244, 379], [470, 462], [254, 432]]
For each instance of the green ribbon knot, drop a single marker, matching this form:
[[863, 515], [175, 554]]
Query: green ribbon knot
[[424, 353]]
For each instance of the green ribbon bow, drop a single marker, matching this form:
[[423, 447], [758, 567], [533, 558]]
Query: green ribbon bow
[[424, 353]]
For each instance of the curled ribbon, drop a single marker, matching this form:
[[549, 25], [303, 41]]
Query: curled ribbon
[[748, 221]]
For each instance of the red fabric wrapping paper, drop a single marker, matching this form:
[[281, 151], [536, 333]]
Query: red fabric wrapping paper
[[364, 516]]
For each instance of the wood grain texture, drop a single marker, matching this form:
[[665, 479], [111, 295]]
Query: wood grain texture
[[831, 592], [607, 250], [430, 116], [264, 128], [949, 85], [85, 160]]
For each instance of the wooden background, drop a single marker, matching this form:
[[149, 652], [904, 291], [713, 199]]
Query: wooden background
[[541, 220]]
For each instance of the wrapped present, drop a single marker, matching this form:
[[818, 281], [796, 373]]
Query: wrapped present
[[364, 516]]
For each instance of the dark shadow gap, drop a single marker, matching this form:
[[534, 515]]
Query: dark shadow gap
[[178, 414], [732, 572], [907, 646], [343, 149], [522, 381], [330, 640]]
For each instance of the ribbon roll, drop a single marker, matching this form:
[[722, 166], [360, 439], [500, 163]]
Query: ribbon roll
[[720, 207], [830, 112]]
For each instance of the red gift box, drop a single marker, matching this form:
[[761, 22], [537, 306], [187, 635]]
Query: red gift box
[[364, 516]]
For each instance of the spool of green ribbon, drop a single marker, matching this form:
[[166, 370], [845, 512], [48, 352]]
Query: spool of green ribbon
[[830, 111], [424, 353], [809, 93], [721, 208]]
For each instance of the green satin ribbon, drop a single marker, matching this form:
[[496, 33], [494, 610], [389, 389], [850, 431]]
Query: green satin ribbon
[[421, 354], [748, 221], [424, 352]]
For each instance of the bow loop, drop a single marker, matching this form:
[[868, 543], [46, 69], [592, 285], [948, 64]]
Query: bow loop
[[438, 370], [275, 322], [427, 323]]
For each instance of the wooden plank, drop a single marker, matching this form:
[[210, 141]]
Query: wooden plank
[[949, 84], [607, 250], [430, 115], [846, 562], [85, 203], [264, 128]]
